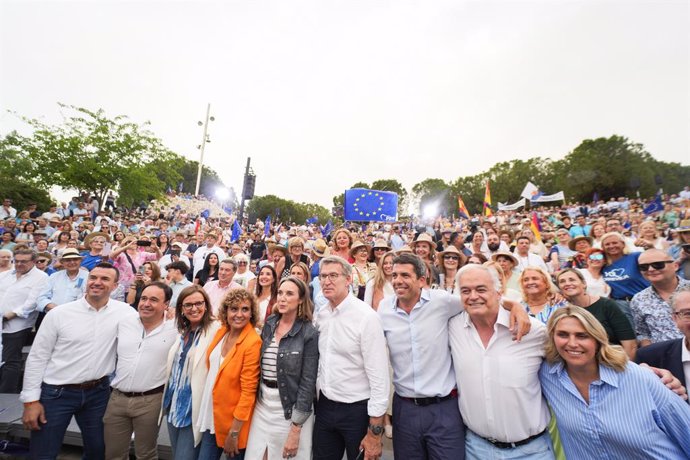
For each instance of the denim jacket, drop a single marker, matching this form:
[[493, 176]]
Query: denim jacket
[[297, 364]]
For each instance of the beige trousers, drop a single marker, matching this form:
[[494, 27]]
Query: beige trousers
[[138, 414]]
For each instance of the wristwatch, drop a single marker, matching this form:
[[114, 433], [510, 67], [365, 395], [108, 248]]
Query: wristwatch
[[234, 434], [376, 430]]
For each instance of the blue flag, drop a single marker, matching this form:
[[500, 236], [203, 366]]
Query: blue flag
[[371, 205], [205, 213], [236, 232], [595, 198], [228, 209], [267, 225], [312, 220], [325, 231], [654, 206]]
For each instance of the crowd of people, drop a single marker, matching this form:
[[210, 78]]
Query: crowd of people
[[511, 336]]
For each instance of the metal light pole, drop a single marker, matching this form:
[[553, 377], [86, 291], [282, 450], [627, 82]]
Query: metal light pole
[[204, 140]]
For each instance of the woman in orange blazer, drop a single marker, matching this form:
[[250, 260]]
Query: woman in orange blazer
[[233, 375]]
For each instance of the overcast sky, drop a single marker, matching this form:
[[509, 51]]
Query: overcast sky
[[321, 94]]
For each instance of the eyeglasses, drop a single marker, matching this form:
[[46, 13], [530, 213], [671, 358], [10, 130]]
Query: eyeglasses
[[597, 256], [685, 314], [42, 261], [655, 265], [197, 305], [241, 263], [330, 276], [451, 257], [380, 249]]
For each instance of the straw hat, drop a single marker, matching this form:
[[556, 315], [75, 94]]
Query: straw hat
[[424, 238], [70, 253], [356, 246], [574, 241], [381, 244], [507, 254], [320, 248]]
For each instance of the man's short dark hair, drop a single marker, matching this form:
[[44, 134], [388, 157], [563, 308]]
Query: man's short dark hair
[[418, 264], [167, 290], [109, 266], [454, 236], [522, 237], [179, 265]]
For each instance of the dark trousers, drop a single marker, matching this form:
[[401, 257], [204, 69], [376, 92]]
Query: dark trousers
[[433, 432], [60, 404], [10, 372], [339, 427]]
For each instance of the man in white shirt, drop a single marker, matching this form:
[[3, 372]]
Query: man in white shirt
[[353, 371], [500, 395], [525, 257], [6, 210], [217, 289], [67, 370], [143, 343], [19, 289], [203, 251]]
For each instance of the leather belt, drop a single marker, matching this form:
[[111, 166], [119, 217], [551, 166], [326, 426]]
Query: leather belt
[[85, 385], [512, 445], [134, 394], [431, 400], [270, 383]]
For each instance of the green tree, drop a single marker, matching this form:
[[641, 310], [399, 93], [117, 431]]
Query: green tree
[[93, 153], [339, 200]]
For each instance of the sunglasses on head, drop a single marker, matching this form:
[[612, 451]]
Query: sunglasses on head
[[655, 265]]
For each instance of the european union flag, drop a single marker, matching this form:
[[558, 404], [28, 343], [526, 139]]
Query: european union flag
[[312, 220], [236, 232], [205, 213], [371, 205], [654, 206]]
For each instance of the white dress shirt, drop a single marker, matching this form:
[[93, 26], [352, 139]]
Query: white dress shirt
[[685, 359], [500, 395], [531, 260], [141, 357], [75, 344], [353, 365], [62, 289], [19, 296]]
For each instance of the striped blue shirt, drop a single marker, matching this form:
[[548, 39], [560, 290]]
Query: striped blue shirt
[[630, 415]]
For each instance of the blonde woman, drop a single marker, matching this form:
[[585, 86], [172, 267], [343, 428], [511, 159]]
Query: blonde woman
[[596, 393], [380, 285]]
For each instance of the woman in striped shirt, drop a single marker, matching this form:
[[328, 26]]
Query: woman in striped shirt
[[283, 422], [606, 406]]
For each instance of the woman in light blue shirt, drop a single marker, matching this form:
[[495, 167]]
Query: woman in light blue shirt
[[607, 407]]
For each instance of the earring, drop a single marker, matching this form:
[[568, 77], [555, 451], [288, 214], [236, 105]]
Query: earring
[[299, 310]]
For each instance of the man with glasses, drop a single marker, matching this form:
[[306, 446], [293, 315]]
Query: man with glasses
[[65, 285], [67, 372], [673, 355], [353, 371], [650, 307], [19, 289]]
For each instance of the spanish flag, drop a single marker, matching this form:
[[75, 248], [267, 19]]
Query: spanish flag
[[535, 227], [464, 213], [487, 201]]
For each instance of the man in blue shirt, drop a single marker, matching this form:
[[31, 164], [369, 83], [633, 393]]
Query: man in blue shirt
[[65, 285]]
